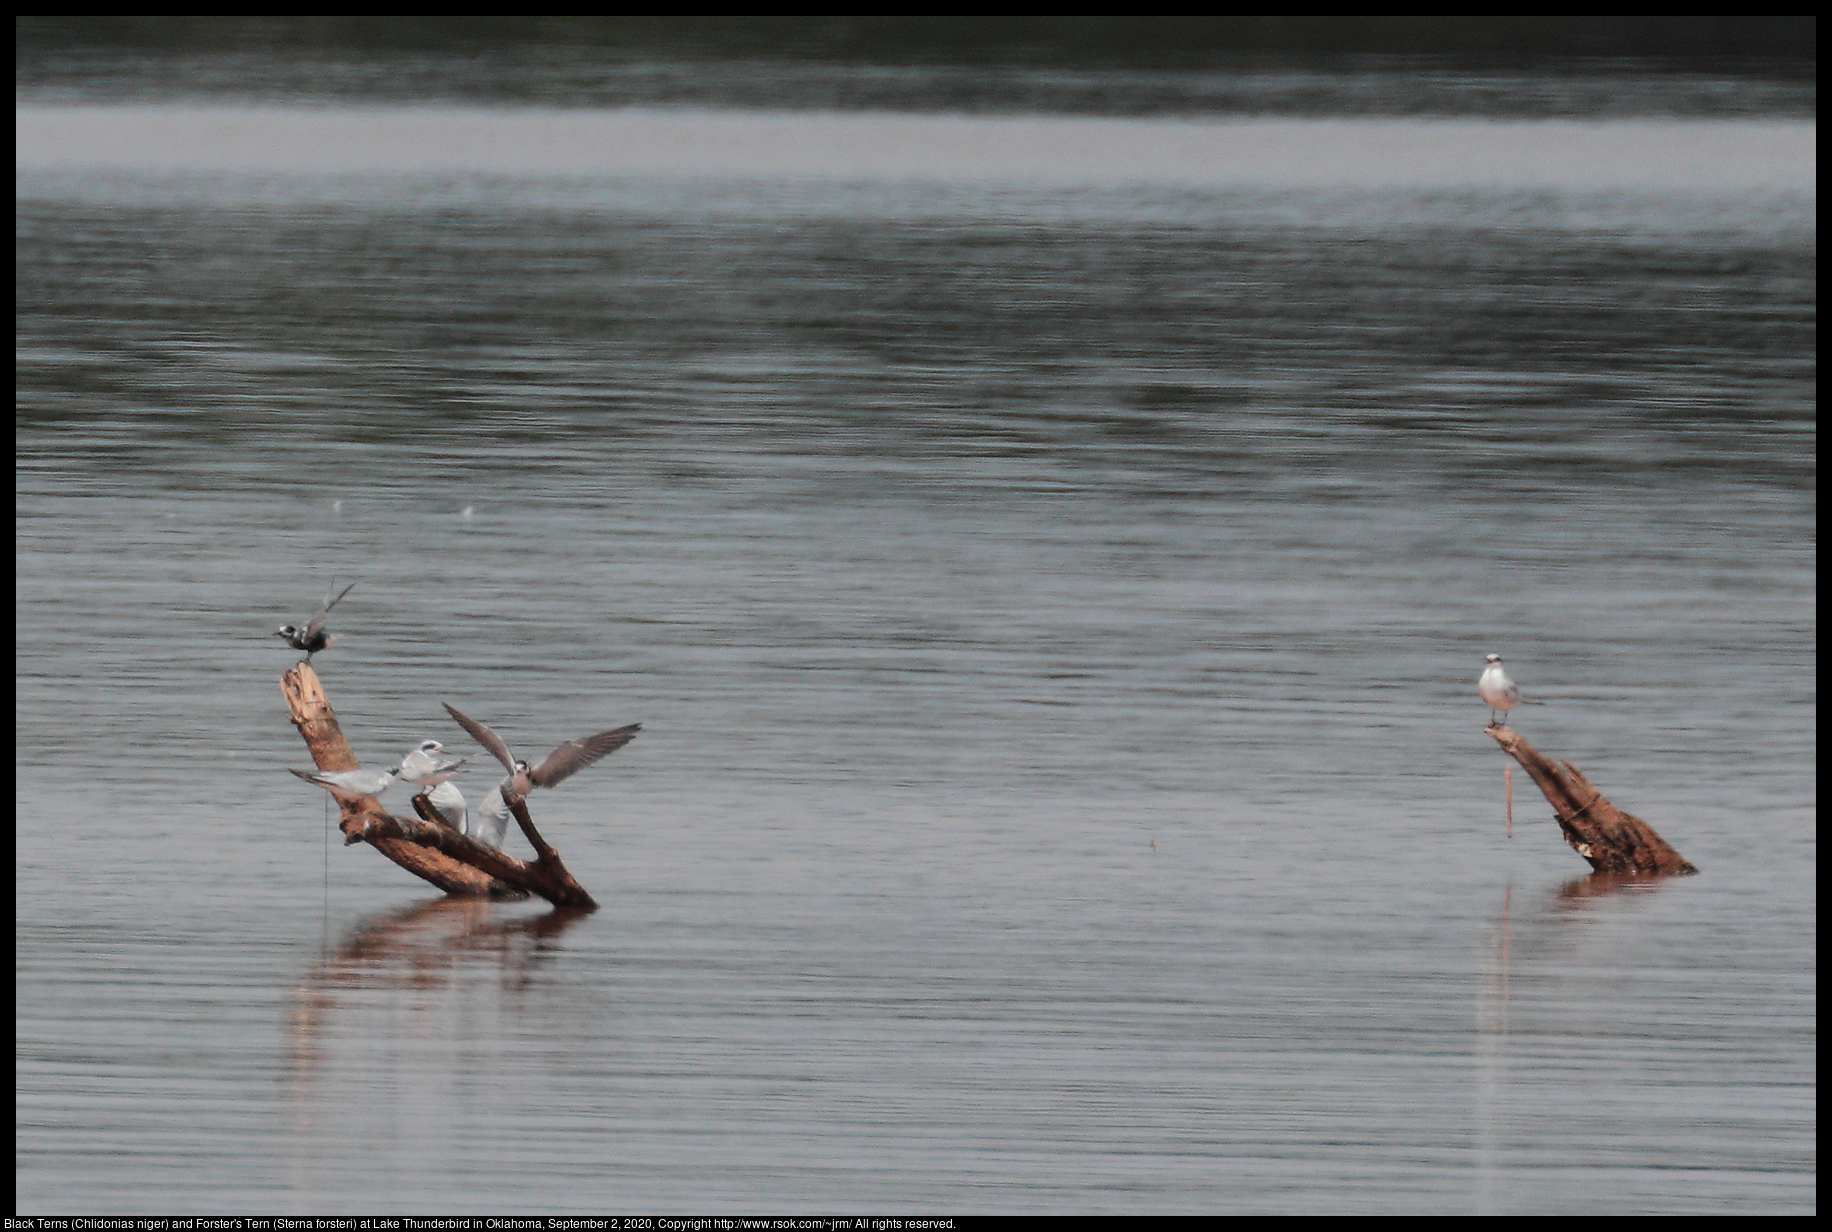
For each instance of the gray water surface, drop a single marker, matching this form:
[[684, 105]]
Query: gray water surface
[[1054, 604]]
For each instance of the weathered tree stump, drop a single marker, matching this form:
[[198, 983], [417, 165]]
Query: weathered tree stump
[[430, 849], [1612, 840]]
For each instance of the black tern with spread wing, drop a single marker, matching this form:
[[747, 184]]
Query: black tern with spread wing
[[313, 638], [561, 764]]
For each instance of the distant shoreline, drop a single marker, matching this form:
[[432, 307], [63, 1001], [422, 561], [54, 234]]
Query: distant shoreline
[[1505, 68], [1753, 45]]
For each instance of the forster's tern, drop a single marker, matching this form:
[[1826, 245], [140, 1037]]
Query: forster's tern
[[351, 784], [313, 638], [1498, 689], [561, 764], [423, 767], [450, 802]]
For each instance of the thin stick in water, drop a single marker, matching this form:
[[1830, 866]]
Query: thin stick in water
[[1507, 775]]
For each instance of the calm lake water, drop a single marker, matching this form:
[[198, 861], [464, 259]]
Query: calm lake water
[[1051, 560]]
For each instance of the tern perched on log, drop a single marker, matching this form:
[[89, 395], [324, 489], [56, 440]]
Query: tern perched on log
[[313, 638], [1498, 689], [423, 768], [561, 764], [351, 784]]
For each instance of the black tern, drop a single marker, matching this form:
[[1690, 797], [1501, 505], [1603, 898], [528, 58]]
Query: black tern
[[313, 638], [561, 764]]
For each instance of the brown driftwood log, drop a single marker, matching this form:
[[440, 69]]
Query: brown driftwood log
[[1612, 840], [547, 876], [430, 849]]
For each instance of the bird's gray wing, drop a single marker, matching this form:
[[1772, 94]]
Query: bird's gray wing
[[349, 783], [441, 773], [576, 755], [317, 623], [484, 736]]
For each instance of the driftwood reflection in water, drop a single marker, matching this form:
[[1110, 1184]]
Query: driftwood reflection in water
[[422, 949], [1603, 885]]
